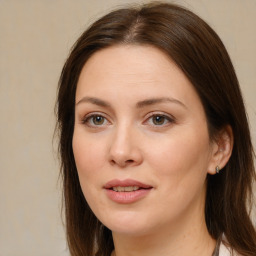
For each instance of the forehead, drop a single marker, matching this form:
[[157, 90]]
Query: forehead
[[129, 60], [138, 70]]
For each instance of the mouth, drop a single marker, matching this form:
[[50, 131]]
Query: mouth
[[127, 185], [126, 191]]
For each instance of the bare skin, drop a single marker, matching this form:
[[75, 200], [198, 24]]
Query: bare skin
[[138, 117]]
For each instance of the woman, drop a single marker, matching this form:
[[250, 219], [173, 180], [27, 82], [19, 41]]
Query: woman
[[154, 141]]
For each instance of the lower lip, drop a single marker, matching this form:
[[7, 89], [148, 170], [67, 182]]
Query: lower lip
[[127, 197]]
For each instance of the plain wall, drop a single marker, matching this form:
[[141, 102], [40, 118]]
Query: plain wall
[[35, 38]]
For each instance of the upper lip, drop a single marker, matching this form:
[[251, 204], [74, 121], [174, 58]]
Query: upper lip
[[125, 183]]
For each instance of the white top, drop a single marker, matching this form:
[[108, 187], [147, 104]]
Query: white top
[[224, 251]]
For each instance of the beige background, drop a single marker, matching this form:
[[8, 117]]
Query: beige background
[[35, 37]]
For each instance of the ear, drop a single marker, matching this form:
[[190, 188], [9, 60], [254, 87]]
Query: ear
[[222, 147]]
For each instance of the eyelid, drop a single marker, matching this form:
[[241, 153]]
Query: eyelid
[[85, 119], [171, 119]]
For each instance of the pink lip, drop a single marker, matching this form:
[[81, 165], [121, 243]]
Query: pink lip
[[126, 197], [125, 183]]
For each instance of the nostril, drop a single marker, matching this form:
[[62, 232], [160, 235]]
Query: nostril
[[112, 162], [122, 163]]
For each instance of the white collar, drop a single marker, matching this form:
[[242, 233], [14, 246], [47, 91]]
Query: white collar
[[226, 251]]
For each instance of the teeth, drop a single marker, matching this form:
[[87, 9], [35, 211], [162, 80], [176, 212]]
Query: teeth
[[125, 189]]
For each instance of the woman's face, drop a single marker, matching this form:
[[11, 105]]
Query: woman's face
[[140, 143]]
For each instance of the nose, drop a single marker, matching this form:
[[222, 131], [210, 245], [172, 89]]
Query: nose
[[125, 148]]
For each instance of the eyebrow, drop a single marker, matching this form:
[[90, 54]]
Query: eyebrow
[[153, 101], [95, 101], [140, 104]]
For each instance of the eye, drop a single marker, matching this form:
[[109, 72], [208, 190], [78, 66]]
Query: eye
[[95, 120], [160, 120]]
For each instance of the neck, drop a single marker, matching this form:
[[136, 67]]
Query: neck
[[187, 237], [191, 243]]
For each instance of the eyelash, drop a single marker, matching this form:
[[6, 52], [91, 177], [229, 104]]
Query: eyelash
[[167, 119], [88, 120]]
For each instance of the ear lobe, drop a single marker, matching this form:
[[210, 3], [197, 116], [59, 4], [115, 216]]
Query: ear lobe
[[222, 150]]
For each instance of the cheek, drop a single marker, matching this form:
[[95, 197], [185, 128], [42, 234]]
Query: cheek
[[180, 169], [182, 159], [89, 158], [88, 153]]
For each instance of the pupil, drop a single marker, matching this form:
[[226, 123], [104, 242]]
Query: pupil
[[98, 120], [158, 120]]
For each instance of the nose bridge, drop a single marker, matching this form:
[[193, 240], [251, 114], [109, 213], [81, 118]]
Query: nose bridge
[[124, 147]]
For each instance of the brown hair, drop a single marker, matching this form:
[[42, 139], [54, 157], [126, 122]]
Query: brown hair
[[200, 54]]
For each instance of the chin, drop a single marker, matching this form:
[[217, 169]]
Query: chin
[[128, 224], [130, 230]]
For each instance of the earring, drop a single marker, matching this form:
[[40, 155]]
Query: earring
[[217, 169]]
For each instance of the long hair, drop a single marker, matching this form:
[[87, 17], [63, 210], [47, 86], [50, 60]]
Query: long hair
[[199, 53]]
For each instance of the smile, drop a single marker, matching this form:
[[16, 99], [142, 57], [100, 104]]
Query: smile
[[126, 191]]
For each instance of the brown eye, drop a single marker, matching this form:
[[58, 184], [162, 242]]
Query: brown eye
[[98, 120], [159, 120], [95, 120]]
